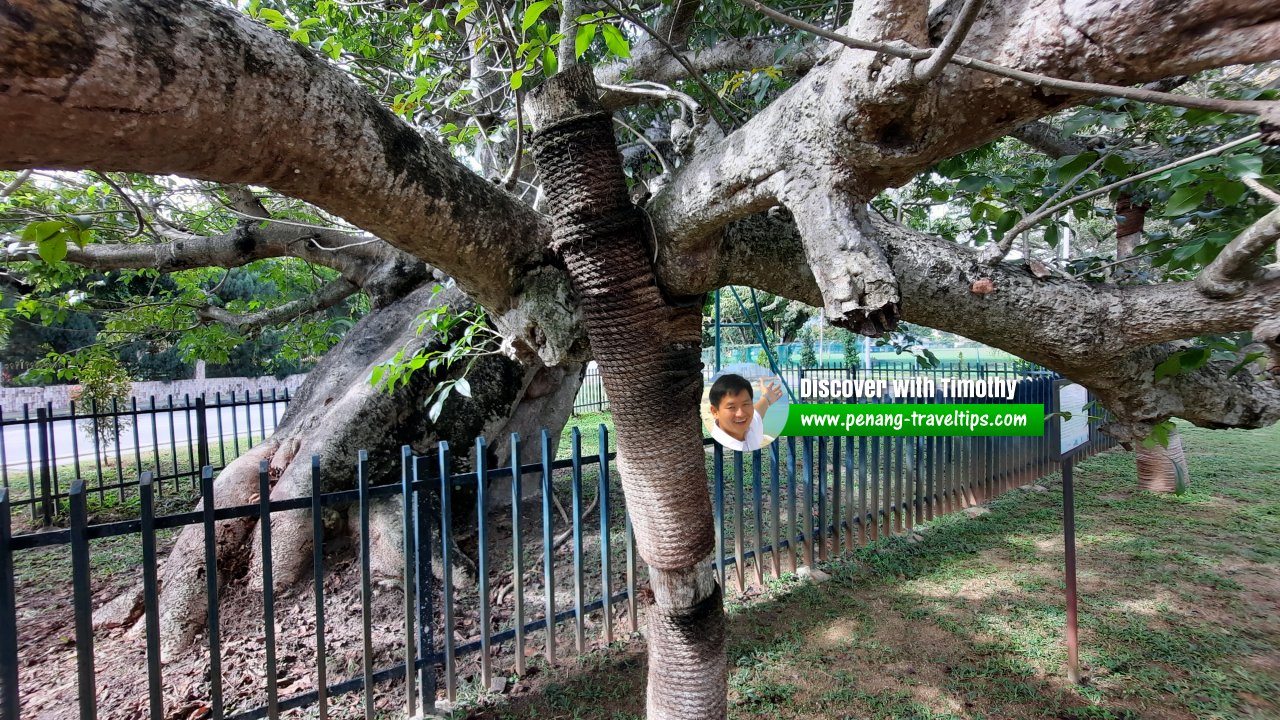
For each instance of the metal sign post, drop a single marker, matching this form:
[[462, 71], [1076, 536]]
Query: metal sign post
[[1073, 433]]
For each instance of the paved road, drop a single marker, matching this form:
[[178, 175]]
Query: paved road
[[163, 431]]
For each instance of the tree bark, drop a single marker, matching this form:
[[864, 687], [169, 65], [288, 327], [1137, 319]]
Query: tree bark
[[648, 349], [335, 414]]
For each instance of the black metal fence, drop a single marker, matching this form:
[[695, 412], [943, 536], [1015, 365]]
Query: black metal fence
[[591, 396], [539, 577], [43, 449]]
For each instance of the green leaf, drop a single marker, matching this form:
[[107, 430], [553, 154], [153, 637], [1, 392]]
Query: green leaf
[[586, 33], [973, 183], [1193, 358], [1245, 362], [37, 232], [549, 62], [616, 42], [376, 378], [466, 9], [517, 79], [535, 11], [1185, 200], [1245, 166], [53, 249], [463, 387], [1172, 365], [1051, 235], [1188, 251], [436, 407], [1229, 192], [273, 17]]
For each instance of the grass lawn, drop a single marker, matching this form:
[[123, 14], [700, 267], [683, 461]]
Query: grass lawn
[[1179, 606]]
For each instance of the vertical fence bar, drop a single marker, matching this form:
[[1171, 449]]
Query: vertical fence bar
[[137, 444], [850, 496], [151, 594], [792, 520], [262, 416], [83, 602], [757, 492], [53, 454], [317, 576], [482, 553], [517, 553], [820, 532], [836, 518], [46, 466], [548, 562], [173, 442], [739, 551], [248, 420], [4, 454], [446, 557], [862, 490], [268, 589], [575, 450], [775, 502], [899, 500], [366, 585], [97, 456], [235, 426], [211, 592], [806, 510], [31, 466], [8, 615], [222, 446], [426, 586], [631, 575], [410, 566], [115, 436], [192, 457], [202, 433], [717, 470], [155, 446], [606, 508], [876, 476], [74, 434], [911, 471]]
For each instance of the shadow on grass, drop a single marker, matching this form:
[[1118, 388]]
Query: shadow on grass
[[966, 620]]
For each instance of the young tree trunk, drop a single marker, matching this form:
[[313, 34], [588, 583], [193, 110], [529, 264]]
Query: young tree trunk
[[1163, 467], [337, 413], [648, 348]]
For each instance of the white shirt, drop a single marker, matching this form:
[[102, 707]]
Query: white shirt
[[752, 441]]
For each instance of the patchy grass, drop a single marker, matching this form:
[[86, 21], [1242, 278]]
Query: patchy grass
[[1179, 599]]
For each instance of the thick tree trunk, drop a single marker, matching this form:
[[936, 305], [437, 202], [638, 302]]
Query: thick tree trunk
[[648, 349], [337, 413]]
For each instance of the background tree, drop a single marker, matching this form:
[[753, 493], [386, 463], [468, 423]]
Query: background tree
[[761, 148]]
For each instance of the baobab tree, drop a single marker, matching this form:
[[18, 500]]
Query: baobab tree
[[593, 184]]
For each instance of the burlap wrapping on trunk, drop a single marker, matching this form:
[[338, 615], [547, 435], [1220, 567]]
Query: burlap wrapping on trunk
[[1159, 466]]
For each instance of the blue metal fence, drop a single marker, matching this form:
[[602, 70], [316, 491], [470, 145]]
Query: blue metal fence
[[797, 502]]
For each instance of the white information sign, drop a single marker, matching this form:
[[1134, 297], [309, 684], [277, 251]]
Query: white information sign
[[1075, 432]]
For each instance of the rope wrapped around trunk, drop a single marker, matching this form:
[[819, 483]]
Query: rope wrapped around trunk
[[649, 352], [685, 648]]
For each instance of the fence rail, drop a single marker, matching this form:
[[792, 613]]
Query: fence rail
[[42, 451], [538, 576]]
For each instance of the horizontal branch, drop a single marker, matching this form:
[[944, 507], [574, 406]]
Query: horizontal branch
[[900, 50], [326, 297], [1236, 265], [211, 94]]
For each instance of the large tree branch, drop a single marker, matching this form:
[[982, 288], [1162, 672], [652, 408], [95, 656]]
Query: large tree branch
[[212, 94], [1236, 266], [1108, 337], [326, 297]]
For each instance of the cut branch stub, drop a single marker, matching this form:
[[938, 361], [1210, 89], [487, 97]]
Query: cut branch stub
[[859, 290]]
